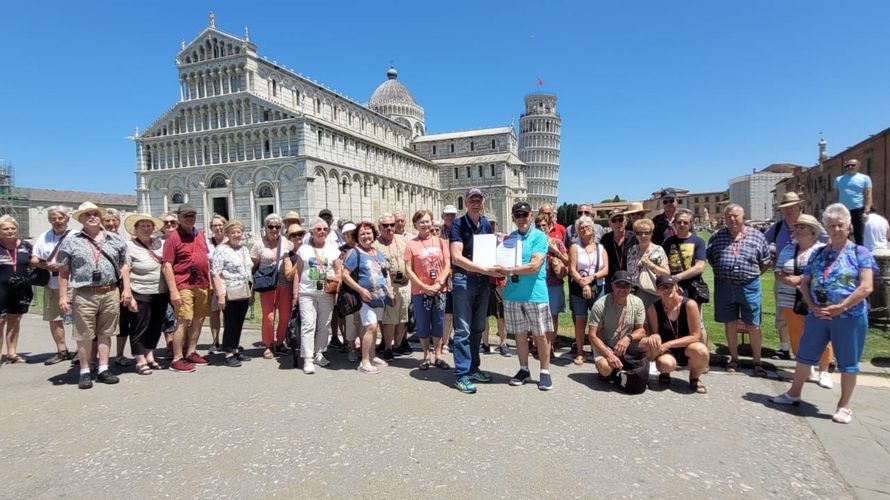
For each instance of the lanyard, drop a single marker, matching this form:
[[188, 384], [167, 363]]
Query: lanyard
[[736, 245], [827, 270], [13, 255], [619, 253], [320, 263], [590, 259], [151, 253], [675, 326]]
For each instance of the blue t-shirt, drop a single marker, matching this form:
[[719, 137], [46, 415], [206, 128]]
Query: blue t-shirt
[[851, 189], [462, 230], [837, 274], [531, 287], [371, 275]]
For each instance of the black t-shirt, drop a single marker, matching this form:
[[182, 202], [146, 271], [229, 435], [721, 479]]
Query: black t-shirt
[[663, 229], [22, 260], [616, 254], [691, 249]]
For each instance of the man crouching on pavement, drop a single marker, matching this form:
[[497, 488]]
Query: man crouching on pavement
[[615, 328]]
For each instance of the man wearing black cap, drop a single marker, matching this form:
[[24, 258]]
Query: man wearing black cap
[[187, 273], [615, 328], [471, 290], [664, 222]]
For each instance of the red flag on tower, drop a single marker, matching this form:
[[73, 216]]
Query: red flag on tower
[[540, 81]]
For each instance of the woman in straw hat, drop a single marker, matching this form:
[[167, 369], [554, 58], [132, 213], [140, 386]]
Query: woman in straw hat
[[144, 253]]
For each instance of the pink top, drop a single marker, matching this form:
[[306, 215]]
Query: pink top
[[428, 259]]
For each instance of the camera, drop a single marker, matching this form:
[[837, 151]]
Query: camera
[[514, 278], [193, 271], [17, 281], [822, 297], [434, 274], [319, 285], [97, 277], [400, 276]]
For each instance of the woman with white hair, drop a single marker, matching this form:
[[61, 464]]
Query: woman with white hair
[[588, 267], [215, 237], [16, 259], [835, 285], [271, 251]]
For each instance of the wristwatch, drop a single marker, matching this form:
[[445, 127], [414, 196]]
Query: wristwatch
[[630, 336]]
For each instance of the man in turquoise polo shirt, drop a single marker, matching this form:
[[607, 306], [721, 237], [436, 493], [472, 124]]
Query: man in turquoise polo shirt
[[526, 302], [854, 191]]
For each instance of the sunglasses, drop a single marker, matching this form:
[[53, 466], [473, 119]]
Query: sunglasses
[[682, 222], [617, 219], [273, 227], [297, 235], [170, 222], [583, 212], [321, 229], [643, 233], [520, 215], [668, 200], [393, 224]]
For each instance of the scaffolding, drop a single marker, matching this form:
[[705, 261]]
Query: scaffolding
[[14, 201]]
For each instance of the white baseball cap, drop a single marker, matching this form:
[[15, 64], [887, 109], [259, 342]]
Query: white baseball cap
[[449, 209]]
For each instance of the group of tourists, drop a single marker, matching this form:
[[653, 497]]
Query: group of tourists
[[635, 290]]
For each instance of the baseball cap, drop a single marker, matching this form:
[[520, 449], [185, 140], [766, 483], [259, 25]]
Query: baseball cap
[[622, 276], [324, 212], [668, 193], [521, 206], [664, 279], [449, 209], [474, 192], [186, 208], [349, 226]]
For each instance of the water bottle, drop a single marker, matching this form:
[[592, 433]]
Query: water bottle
[[69, 316]]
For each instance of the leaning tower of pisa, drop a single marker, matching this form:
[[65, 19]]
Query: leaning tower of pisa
[[539, 132]]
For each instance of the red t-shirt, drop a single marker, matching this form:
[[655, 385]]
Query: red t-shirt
[[558, 231], [185, 250]]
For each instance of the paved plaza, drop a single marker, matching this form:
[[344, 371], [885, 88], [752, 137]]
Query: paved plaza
[[266, 430]]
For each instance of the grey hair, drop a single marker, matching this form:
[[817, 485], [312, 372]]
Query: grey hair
[[836, 211], [583, 220], [732, 206], [8, 219], [683, 211], [57, 209], [112, 212], [271, 217], [385, 216], [318, 220]]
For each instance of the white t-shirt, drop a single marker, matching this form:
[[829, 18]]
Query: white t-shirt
[[318, 264], [43, 248], [874, 235]]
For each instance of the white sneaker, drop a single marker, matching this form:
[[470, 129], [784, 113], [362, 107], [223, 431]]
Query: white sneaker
[[308, 366], [825, 380], [369, 369], [814, 375], [785, 399], [352, 356], [320, 360]]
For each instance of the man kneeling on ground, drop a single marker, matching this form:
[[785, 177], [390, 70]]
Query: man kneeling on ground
[[615, 328], [676, 334]]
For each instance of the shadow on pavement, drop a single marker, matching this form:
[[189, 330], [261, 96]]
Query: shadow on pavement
[[883, 362], [804, 409], [593, 382]]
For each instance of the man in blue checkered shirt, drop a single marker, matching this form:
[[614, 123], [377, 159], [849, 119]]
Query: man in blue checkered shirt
[[738, 255]]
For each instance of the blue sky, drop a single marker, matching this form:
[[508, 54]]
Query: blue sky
[[651, 93]]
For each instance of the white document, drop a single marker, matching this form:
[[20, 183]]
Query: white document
[[484, 249], [509, 252]]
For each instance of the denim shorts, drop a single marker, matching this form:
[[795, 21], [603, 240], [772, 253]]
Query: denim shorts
[[557, 299], [847, 336], [581, 306], [737, 301]]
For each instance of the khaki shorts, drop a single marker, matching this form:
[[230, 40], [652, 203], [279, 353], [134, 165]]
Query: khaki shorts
[[95, 314], [195, 304], [51, 311], [398, 312]]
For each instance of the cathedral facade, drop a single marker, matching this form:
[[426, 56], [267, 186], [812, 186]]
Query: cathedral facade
[[249, 137]]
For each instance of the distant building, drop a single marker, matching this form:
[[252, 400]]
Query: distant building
[[653, 205], [540, 128], [41, 199], [13, 200], [707, 207], [754, 191], [816, 185]]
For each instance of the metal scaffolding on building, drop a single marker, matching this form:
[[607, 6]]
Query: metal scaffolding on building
[[13, 201]]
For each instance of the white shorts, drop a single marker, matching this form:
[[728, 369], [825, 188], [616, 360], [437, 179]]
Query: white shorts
[[370, 315]]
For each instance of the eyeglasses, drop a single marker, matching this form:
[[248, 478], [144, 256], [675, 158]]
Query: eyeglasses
[[643, 233], [583, 212], [391, 224], [273, 227], [321, 229], [188, 215], [850, 165], [296, 235], [668, 200], [682, 222], [520, 215], [617, 219], [170, 222], [435, 229], [585, 227], [94, 214]]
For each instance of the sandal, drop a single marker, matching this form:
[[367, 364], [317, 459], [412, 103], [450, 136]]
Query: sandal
[[731, 367], [759, 371], [843, 416], [153, 365], [441, 363], [15, 359], [268, 354], [698, 386], [425, 364], [664, 378], [143, 369]]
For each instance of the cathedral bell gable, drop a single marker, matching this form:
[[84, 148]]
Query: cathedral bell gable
[[213, 44]]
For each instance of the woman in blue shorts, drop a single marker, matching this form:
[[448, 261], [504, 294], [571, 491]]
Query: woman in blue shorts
[[588, 267]]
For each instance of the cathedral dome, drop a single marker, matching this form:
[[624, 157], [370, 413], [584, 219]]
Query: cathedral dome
[[391, 93]]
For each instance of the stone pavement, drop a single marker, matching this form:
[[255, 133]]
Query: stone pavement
[[266, 430]]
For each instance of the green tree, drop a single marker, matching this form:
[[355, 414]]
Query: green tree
[[567, 213], [616, 199]]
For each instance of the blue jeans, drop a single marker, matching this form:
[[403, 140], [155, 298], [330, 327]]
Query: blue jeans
[[428, 323], [470, 316]]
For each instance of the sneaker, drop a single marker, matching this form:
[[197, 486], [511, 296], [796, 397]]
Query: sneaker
[[465, 385], [388, 355], [813, 376], [182, 366], [85, 381], [484, 349], [233, 361], [195, 359], [521, 377], [240, 356], [379, 362], [308, 366], [352, 356], [544, 383], [504, 350], [825, 380], [335, 342], [781, 354], [843, 416], [480, 376], [405, 348], [214, 349], [107, 377], [320, 360], [58, 358], [785, 399], [368, 369]]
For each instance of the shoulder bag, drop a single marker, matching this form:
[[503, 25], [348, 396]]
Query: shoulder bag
[[348, 299], [39, 276], [266, 277], [800, 305], [242, 290], [698, 290]]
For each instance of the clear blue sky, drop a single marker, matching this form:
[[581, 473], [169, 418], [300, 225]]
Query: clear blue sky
[[651, 93]]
